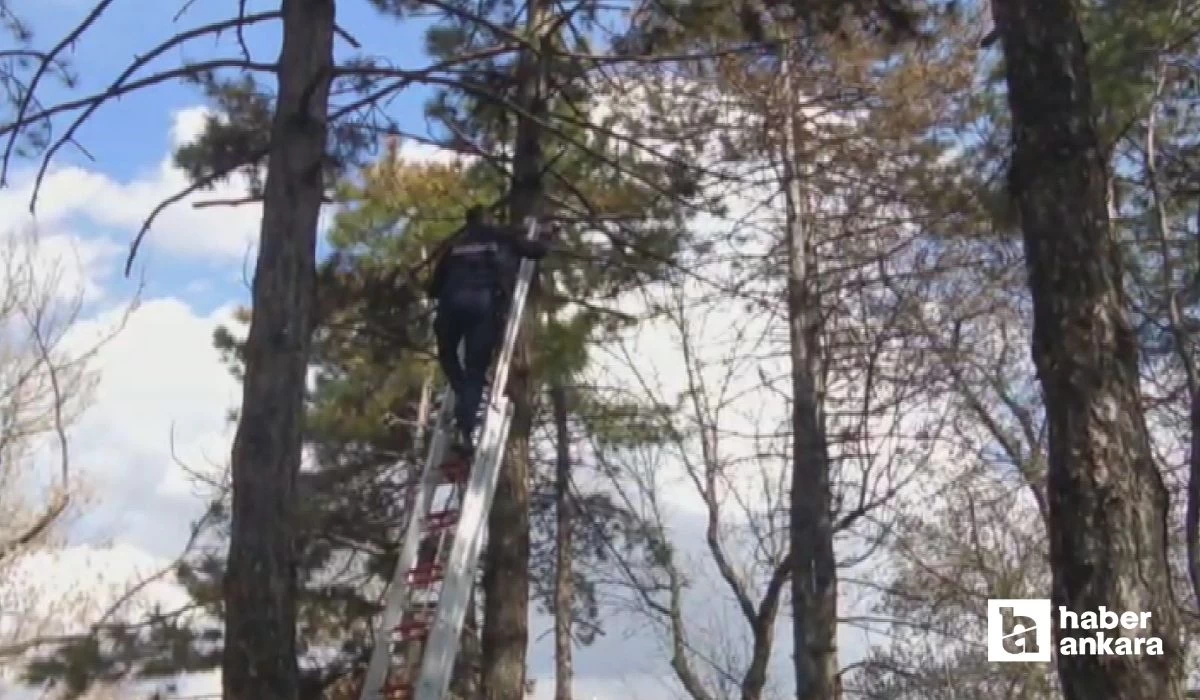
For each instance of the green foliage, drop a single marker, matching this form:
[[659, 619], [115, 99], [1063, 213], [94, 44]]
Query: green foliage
[[1125, 42], [669, 24], [602, 531], [18, 62], [161, 646], [562, 348], [235, 137], [424, 202], [617, 423]]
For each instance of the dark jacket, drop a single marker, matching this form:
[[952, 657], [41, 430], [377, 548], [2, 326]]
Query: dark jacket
[[483, 257]]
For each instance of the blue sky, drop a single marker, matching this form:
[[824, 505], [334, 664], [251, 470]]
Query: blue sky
[[128, 137], [118, 135]]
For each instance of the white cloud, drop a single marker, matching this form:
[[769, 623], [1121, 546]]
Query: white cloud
[[103, 572], [79, 265], [162, 402], [70, 267], [625, 686], [188, 125], [417, 152], [63, 591], [71, 194]]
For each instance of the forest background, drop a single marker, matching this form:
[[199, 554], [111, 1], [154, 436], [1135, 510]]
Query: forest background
[[685, 153]]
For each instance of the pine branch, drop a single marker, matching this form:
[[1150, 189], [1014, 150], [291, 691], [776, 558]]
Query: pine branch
[[403, 77], [118, 87], [38, 527], [43, 66], [181, 194]]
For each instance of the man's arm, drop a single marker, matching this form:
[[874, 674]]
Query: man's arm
[[437, 277], [515, 236]]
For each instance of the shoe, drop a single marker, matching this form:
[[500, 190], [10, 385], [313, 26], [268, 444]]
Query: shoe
[[466, 454], [465, 447]]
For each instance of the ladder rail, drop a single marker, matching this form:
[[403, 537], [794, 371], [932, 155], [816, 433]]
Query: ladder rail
[[438, 663], [398, 588], [438, 660], [513, 327], [442, 646]]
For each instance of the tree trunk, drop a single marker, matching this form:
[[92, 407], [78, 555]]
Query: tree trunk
[[464, 681], [814, 574], [1184, 346], [259, 658], [505, 635], [563, 591], [1107, 501], [1191, 524]]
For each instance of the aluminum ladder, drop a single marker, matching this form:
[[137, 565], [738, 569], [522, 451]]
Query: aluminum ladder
[[418, 636]]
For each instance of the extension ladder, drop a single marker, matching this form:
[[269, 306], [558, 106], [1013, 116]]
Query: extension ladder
[[418, 637]]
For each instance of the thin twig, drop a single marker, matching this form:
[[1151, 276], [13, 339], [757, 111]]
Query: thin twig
[[68, 40], [190, 189], [337, 29], [142, 61]]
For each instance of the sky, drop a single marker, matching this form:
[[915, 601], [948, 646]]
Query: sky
[[161, 406]]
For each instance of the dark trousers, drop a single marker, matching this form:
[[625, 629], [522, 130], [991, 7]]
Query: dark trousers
[[474, 318]]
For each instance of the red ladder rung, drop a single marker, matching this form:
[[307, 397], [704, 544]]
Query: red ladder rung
[[397, 689], [413, 629], [441, 519], [455, 471], [425, 574]]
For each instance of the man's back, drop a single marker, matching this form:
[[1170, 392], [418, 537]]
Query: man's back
[[472, 282], [482, 257]]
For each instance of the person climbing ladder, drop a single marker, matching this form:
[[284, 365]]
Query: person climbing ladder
[[472, 284]]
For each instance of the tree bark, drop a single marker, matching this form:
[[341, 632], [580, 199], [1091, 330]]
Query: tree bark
[[1107, 500], [259, 658], [1191, 523], [814, 567], [505, 636], [464, 682], [762, 631], [563, 589]]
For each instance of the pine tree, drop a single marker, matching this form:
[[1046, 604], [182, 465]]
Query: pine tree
[[1105, 493]]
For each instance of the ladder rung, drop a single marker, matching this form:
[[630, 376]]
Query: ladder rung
[[409, 658], [413, 630], [419, 615], [425, 574], [428, 553], [399, 647], [456, 471], [399, 689], [441, 520]]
